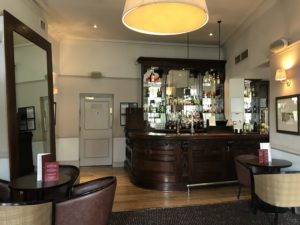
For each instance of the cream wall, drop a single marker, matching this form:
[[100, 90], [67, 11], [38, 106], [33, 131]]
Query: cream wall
[[281, 141], [67, 114], [116, 60], [273, 20], [26, 12]]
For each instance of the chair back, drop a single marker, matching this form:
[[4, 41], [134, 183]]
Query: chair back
[[26, 213], [281, 190], [90, 204], [4, 191], [243, 170], [65, 190]]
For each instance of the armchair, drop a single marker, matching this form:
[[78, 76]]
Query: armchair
[[90, 203], [26, 213], [278, 192], [4, 191], [243, 171]]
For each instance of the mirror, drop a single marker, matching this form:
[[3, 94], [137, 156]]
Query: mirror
[[184, 96], [29, 96]]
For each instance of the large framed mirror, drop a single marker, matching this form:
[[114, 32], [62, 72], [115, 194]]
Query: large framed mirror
[[29, 88]]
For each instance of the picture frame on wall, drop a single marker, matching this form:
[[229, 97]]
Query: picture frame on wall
[[26, 119], [123, 107], [287, 114]]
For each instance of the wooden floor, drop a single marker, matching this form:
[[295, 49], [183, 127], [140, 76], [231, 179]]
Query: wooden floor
[[131, 197]]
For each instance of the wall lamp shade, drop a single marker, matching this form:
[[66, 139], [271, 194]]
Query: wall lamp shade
[[165, 17], [281, 76]]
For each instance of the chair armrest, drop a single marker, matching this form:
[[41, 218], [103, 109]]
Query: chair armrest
[[90, 186]]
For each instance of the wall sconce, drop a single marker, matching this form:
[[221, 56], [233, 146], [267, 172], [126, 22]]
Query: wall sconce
[[55, 90], [281, 76]]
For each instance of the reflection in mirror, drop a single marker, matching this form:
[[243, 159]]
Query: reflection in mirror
[[32, 101], [182, 98]]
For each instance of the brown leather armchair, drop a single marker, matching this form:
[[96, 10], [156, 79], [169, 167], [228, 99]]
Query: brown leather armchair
[[4, 191], [64, 191], [243, 171], [90, 203]]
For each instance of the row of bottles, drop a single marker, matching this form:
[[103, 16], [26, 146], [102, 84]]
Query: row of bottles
[[180, 91], [149, 92], [181, 121], [155, 107], [255, 106]]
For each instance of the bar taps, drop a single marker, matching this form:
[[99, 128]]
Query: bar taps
[[192, 124]]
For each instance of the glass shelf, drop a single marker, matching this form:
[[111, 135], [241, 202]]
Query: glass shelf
[[181, 96]]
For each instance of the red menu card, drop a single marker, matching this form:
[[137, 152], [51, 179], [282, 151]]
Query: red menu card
[[51, 172], [263, 155]]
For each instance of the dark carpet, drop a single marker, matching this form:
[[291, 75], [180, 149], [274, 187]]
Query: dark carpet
[[233, 213]]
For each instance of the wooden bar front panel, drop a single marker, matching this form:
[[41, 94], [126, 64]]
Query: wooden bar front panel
[[170, 161]]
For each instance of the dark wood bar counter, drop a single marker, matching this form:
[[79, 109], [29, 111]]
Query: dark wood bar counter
[[169, 161]]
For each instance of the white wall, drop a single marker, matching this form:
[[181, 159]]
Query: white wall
[[273, 20], [281, 141], [26, 12], [116, 60], [31, 16]]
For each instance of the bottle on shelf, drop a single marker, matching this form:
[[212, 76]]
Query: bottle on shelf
[[244, 127], [255, 128], [254, 109], [178, 126], [152, 77], [159, 93], [192, 125], [147, 93], [253, 91]]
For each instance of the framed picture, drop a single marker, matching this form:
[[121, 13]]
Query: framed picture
[[123, 107], [26, 117], [287, 114]]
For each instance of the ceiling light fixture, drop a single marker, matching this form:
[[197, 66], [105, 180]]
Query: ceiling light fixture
[[95, 26], [165, 17], [211, 34]]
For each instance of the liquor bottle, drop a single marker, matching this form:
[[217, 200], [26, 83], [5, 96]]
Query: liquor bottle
[[244, 127], [255, 126], [253, 91], [254, 109], [147, 92], [152, 78], [159, 93]]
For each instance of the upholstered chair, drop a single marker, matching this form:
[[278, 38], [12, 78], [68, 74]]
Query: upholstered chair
[[4, 191], [64, 191], [90, 203], [277, 192], [243, 171], [26, 213]]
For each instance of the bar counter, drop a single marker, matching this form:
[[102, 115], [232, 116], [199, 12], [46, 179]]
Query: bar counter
[[170, 161]]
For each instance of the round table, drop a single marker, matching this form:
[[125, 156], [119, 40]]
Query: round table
[[29, 184], [274, 166]]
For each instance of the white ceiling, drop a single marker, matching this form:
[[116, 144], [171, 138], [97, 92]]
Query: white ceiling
[[69, 18]]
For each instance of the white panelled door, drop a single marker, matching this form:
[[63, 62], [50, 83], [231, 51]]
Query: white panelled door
[[95, 141]]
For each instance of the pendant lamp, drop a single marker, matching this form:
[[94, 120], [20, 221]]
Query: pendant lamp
[[165, 17]]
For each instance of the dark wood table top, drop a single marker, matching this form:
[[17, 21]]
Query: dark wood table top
[[276, 163], [29, 182]]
